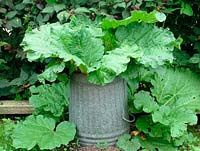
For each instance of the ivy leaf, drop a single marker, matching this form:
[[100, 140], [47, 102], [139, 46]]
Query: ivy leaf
[[48, 9], [186, 9], [136, 16], [11, 14], [20, 80], [114, 63], [40, 131], [2, 61], [78, 2], [59, 7], [195, 58], [127, 144], [50, 98], [63, 16], [181, 58], [51, 1], [80, 10], [143, 100], [4, 83], [20, 6], [15, 22], [2, 43], [155, 43], [27, 1]]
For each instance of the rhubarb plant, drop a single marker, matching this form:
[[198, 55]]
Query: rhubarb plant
[[41, 131], [50, 99], [83, 45], [171, 104], [101, 50]]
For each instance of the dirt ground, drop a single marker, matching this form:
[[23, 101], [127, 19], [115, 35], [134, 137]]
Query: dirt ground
[[93, 148]]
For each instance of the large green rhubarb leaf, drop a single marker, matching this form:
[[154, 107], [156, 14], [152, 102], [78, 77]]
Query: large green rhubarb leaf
[[177, 87], [155, 43], [136, 16], [177, 119], [152, 144], [78, 44], [145, 124], [174, 100], [82, 44], [114, 63], [40, 131], [50, 98], [51, 71], [143, 100], [127, 144], [177, 91]]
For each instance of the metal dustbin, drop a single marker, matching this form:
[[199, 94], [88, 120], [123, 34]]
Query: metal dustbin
[[98, 111]]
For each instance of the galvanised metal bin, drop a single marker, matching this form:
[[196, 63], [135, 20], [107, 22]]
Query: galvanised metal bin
[[98, 111]]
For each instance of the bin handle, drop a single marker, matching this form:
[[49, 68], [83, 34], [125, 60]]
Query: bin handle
[[129, 121]]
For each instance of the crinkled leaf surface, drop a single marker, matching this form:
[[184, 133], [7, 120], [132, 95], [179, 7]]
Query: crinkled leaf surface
[[145, 124], [40, 131], [177, 87], [66, 42], [187, 138], [39, 43], [143, 100], [177, 99], [154, 144], [136, 16], [177, 119], [51, 71], [114, 63], [50, 98], [82, 44], [6, 130], [2, 149], [155, 43], [85, 21], [127, 144], [178, 94]]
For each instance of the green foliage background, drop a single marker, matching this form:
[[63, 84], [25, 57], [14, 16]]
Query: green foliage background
[[17, 74]]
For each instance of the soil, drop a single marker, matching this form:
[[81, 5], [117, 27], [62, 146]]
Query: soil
[[93, 148]]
